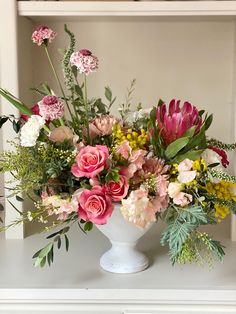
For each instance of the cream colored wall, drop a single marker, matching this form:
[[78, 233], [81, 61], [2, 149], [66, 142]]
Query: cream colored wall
[[187, 60]]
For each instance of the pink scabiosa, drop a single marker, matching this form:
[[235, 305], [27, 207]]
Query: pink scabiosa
[[42, 35], [173, 122], [90, 161], [84, 61], [95, 205], [51, 108]]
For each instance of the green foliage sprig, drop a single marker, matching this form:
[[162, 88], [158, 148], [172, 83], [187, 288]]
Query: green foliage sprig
[[221, 145]]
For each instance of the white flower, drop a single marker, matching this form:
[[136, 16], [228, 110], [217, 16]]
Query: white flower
[[186, 176], [30, 131], [211, 157], [174, 188]]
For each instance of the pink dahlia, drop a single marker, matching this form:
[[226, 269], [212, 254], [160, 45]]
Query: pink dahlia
[[43, 34], [85, 61], [101, 126], [51, 108], [175, 121]]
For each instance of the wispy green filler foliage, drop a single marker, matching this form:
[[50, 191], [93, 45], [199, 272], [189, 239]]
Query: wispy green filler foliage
[[186, 244], [67, 70], [221, 145]]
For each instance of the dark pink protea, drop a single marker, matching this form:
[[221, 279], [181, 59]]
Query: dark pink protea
[[173, 123]]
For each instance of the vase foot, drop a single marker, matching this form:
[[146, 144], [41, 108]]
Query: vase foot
[[123, 259]]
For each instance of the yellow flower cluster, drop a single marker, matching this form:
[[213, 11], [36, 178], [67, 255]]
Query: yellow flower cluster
[[199, 165], [50, 153], [137, 140], [224, 191]]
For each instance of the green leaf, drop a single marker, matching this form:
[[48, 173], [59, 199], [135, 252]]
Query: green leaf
[[38, 262], [1, 207], [176, 146], [79, 91], [67, 243], [208, 122], [194, 215], [88, 226], [192, 155], [190, 132], [16, 126], [19, 199], [199, 140], [59, 243], [3, 120], [45, 250], [43, 261], [15, 102], [160, 102], [108, 93]]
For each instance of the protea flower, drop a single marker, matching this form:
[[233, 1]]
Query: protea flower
[[173, 123]]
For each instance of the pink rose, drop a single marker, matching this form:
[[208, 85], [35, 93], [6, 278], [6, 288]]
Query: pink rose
[[90, 161], [95, 205], [117, 190]]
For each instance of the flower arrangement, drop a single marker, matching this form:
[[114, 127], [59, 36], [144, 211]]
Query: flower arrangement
[[78, 160]]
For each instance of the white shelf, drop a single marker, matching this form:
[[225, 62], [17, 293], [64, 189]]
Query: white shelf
[[158, 8], [75, 281]]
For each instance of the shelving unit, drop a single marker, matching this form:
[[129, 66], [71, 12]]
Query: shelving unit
[[184, 49]]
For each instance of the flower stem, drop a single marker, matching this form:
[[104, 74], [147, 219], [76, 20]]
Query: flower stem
[[57, 79], [46, 129], [86, 108]]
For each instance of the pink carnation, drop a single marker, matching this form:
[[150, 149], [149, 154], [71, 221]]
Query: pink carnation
[[90, 161], [84, 61], [101, 126], [95, 205], [51, 108], [43, 34]]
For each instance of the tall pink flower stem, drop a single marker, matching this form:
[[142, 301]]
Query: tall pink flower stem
[[58, 81]]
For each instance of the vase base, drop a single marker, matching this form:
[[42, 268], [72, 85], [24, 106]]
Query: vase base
[[127, 260]]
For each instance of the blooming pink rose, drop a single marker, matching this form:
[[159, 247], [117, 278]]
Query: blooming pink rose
[[61, 134], [185, 165], [117, 190], [43, 34], [182, 199], [95, 205], [90, 161]]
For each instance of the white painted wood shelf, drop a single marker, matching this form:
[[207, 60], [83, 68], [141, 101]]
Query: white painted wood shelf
[[76, 284], [155, 8]]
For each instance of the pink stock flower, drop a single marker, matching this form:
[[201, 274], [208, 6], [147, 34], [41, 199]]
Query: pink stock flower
[[43, 34], [174, 123], [124, 149], [101, 126], [61, 134], [85, 62], [136, 161], [182, 199], [186, 175], [95, 205], [51, 108], [117, 190], [138, 209], [90, 161]]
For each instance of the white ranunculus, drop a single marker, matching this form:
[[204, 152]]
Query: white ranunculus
[[30, 131]]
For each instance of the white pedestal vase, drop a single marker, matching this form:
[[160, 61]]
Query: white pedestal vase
[[123, 257]]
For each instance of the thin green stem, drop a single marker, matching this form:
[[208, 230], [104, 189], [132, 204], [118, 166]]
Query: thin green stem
[[86, 108], [57, 79], [46, 129]]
